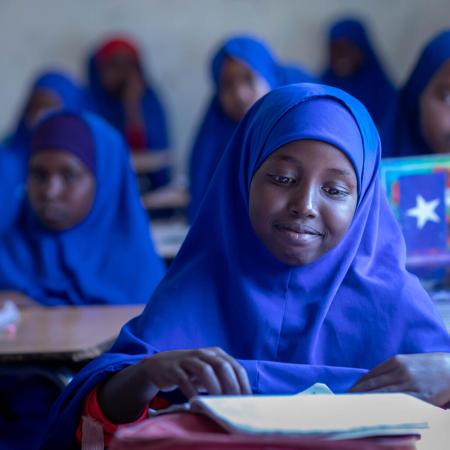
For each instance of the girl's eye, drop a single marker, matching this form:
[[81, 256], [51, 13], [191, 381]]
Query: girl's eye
[[70, 176], [335, 192], [37, 175], [282, 180]]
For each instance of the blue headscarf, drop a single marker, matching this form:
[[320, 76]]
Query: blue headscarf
[[328, 321], [370, 84], [217, 128], [58, 83], [106, 259], [401, 128]]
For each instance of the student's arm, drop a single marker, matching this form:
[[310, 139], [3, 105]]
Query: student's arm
[[425, 375], [125, 395]]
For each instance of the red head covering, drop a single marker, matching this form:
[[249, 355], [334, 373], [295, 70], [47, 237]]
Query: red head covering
[[115, 45]]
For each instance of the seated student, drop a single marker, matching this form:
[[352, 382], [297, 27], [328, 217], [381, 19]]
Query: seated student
[[420, 122], [243, 70], [284, 279], [50, 90], [81, 236], [354, 67], [119, 92]]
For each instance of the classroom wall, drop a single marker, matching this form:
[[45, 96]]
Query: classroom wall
[[178, 36]]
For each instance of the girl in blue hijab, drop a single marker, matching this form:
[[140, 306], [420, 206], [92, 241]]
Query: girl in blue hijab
[[284, 279], [82, 236], [355, 68], [420, 122], [243, 70], [50, 90], [120, 93]]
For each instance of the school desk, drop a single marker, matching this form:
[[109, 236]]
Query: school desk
[[55, 342], [168, 235], [150, 161], [167, 197]]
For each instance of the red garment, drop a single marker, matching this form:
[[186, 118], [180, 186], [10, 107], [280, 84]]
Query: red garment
[[115, 45], [136, 138], [91, 408]]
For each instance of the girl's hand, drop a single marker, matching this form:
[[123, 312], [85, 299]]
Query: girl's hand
[[193, 371], [425, 375]]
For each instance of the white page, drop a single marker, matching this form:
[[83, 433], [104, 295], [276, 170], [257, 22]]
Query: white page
[[351, 415]]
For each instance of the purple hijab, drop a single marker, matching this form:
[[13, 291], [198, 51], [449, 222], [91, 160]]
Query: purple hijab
[[328, 321]]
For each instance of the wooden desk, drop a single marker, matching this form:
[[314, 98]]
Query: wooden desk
[[64, 334], [148, 161], [167, 197], [168, 235]]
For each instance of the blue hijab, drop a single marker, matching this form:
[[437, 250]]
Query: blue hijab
[[11, 187], [58, 83], [107, 259], [401, 129], [370, 84], [217, 128], [328, 321], [110, 108]]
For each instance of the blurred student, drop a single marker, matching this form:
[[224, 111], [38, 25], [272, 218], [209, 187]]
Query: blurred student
[[51, 90], [420, 122], [284, 279], [243, 70], [120, 92], [81, 236], [354, 67]]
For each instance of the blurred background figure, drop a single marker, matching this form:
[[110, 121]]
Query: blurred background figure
[[120, 92], [51, 90], [419, 123], [243, 69], [354, 67]]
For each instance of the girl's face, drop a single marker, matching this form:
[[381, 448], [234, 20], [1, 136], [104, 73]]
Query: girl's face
[[345, 57], [61, 189], [116, 71], [239, 88], [434, 104], [302, 200]]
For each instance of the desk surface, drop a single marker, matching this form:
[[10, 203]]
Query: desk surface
[[71, 334], [168, 236], [167, 197]]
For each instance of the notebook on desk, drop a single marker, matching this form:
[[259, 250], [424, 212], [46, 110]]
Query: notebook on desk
[[344, 416], [418, 190]]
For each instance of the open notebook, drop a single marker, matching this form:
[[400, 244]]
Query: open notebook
[[343, 416]]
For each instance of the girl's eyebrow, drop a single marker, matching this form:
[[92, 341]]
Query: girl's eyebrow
[[343, 172], [336, 171]]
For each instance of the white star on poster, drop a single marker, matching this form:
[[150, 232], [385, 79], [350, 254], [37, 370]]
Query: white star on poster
[[424, 211]]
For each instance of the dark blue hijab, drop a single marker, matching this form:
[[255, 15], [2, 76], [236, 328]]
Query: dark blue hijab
[[328, 321], [59, 84], [106, 259], [217, 128], [370, 84], [110, 108], [401, 129]]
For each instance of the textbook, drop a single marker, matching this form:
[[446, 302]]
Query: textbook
[[341, 416]]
